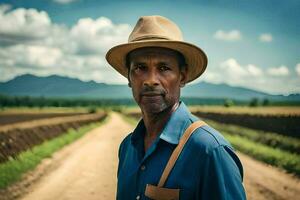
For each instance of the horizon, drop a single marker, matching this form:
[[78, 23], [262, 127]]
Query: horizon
[[122, 84], [252, 45]]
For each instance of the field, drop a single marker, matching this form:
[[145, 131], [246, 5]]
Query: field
[[39, 133], [267, 110], [262, 110], [15, 115], [284, 121], [27, 136]]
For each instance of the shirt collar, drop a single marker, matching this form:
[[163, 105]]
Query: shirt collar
[[173, 130], [175, 127]]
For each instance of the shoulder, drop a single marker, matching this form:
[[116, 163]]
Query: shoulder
[[126, 139], [213, 147], [124, 144], [207, 139]]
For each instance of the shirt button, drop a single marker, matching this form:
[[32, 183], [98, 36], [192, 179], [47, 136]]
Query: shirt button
[[137, 197], [143, 167]]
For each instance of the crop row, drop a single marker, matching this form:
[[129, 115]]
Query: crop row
[[276, 157], [273, 140], [22, 117], [12, 170], [285, 125], [25, 136]]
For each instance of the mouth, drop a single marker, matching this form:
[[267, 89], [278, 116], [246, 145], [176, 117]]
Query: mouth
[[151, 94]]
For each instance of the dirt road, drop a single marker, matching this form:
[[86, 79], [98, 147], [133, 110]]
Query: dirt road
[[86, 170]]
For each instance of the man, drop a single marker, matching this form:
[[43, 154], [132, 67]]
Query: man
[[157, 63]]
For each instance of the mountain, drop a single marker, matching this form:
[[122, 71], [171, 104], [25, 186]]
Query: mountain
[[209, 90], [58, 86]]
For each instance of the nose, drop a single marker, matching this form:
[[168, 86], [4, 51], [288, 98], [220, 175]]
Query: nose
[[151, 79]]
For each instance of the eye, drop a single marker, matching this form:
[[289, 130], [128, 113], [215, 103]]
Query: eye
[[138, 67], [164, 67]]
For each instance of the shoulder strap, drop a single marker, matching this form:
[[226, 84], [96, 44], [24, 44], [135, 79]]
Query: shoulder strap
[[188, 132]]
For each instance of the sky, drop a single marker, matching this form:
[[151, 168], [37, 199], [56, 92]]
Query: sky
[[253, 44]]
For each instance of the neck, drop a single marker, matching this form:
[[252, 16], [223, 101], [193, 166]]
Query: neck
[[155, 122]]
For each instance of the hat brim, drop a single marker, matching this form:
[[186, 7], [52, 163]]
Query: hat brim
[[195, 58]]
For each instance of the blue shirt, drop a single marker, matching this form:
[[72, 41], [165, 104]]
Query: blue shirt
[[207, 167]]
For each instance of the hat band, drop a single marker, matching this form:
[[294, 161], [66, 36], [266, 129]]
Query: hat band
[[154, 37]]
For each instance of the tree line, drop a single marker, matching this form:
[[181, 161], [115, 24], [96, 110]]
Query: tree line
[[28, 101]]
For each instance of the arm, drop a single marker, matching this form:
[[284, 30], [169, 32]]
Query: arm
[[222, 176]]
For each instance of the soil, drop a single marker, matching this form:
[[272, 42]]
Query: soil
[[264, 181], [11, 118], [86, 169]]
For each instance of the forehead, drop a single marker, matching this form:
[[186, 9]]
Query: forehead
[[156, 52]]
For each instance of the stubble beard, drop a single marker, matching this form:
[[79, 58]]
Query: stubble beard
[[153, 107]]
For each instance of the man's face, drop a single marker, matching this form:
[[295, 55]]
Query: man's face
[[155, 78]]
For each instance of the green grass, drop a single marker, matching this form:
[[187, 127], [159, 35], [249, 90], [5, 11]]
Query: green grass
[[271, 148], [12, 170], [270, 139], [131, 120], [279, 158]]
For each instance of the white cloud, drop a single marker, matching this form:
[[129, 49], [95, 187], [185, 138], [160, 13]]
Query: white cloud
[[266, 37], [31, 43], [253, 70], [98, 35], [64, 1], [276, 80], [23, 24], [234, 70], [43, 56], [297, 68], [232, 35], [278, 71]]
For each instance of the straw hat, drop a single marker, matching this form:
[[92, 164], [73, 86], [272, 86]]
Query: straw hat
[[158, 31]]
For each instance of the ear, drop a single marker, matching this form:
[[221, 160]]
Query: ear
[[183, 75]]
